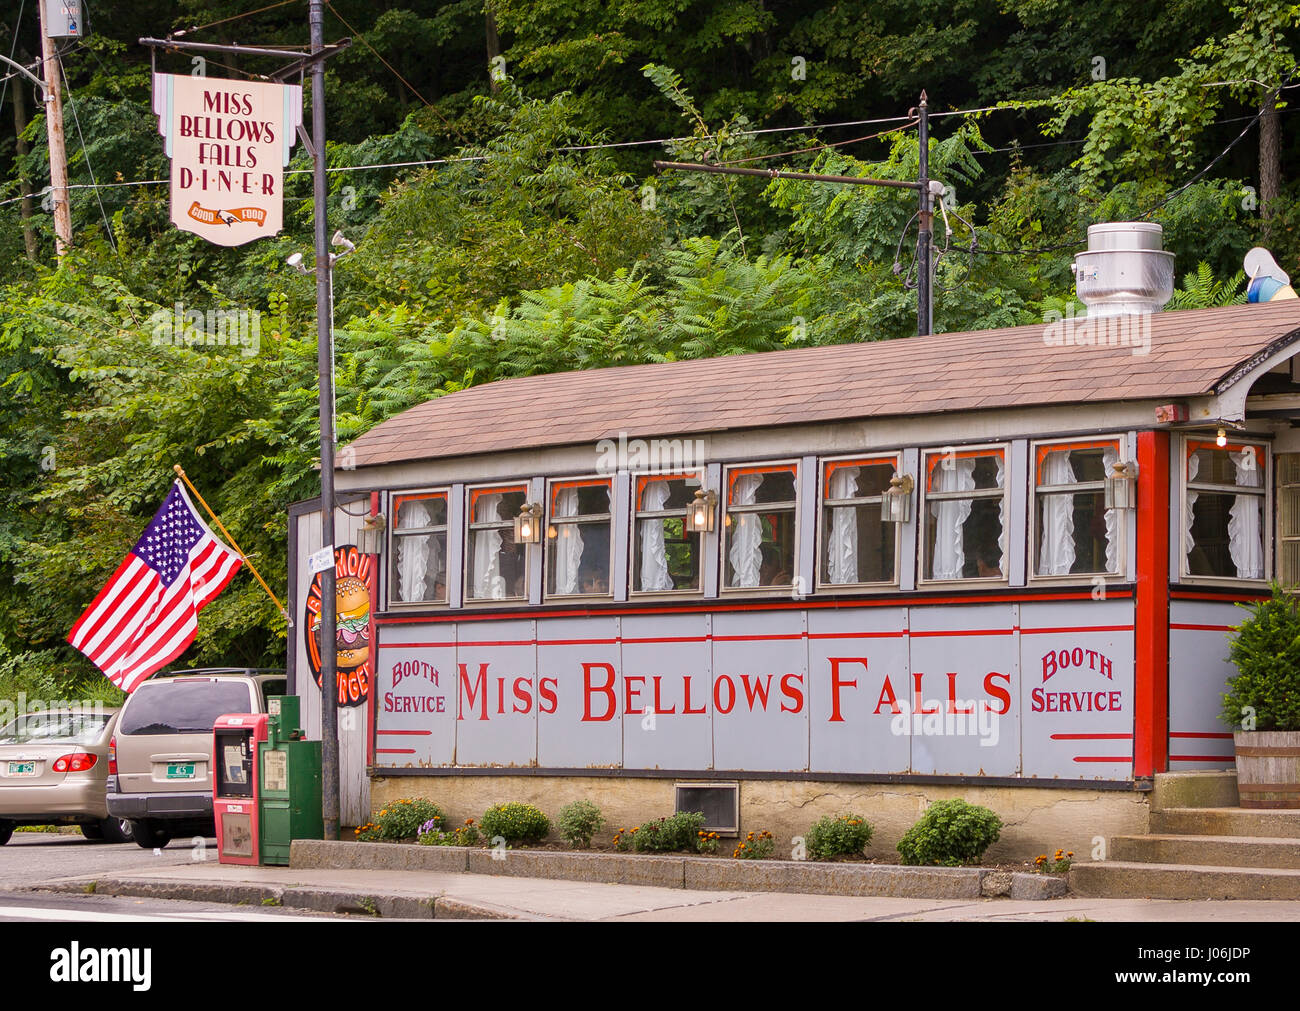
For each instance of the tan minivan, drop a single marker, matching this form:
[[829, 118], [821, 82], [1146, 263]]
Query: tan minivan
[[159, 774]]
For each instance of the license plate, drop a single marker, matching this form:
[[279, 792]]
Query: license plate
[[22, 768], [180, 770]]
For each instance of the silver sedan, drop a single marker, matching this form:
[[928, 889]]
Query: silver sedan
[[54, 768]]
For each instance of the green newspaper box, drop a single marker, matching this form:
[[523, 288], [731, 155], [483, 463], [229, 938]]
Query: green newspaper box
[[291, 783]]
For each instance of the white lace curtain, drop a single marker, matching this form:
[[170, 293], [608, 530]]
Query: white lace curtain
[[488, 582], [842, 544], [1245, 543], [417, 557], [950, 516], [1245, 532], [654, 553], [746, 551]]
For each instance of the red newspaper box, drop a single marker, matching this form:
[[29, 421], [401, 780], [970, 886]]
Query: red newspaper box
[[236, 738]]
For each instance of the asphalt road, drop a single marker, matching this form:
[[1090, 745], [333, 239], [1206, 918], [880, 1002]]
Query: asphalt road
[[33, 857]]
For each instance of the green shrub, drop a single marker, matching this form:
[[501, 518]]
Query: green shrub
[[755, 847], [515, 823], [578, 822], [950, 833], [1266, 653], [667, 835], [842, 835], [401, 819]]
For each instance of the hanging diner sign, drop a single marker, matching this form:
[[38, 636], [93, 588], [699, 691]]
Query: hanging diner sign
[[228, 142]]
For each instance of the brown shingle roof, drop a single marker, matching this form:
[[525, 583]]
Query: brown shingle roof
[[1191, 352]]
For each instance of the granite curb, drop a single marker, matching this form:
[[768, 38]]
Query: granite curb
[[686, 872], [376, 903]]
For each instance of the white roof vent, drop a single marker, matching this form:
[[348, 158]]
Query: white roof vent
[[1125, 269]]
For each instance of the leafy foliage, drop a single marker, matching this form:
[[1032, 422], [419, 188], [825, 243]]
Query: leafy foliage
[[950, 833], [1266, 653], [578, 822], [838, 835], [515, 823]]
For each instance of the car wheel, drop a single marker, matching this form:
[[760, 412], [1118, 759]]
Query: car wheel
[[93, 831], [6, 830], [115, 830], [149, 835]]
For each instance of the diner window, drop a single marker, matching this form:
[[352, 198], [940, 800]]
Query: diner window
[[1287, 466], [760, 526], [665, 557], [1074, 532], [498, 567], [857, 547], [578, 538], [419, 554], [1223, 516], [965, 514]]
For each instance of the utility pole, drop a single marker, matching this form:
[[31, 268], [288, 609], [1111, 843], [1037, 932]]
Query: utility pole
[[329, 720], [924, 186], [54, 131], [925, 217]]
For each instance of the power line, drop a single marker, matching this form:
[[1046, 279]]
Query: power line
[[85, 153]]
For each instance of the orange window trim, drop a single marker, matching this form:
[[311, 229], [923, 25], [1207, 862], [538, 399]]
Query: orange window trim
[[1059, 446], [873, 461], [1239, 447], [783, 468], [505, 490], [400, 500], [643, 481], [932, 458], [594, 482]]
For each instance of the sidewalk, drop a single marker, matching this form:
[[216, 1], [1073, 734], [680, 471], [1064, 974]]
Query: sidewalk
[[413, 894]]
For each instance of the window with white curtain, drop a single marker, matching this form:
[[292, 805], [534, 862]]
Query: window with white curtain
[[1224, 510], [578, 536], [419, 548], [857, 547], [965, 511], [664, 556], [759, 525], [1287, 468], [1074, 533], [496, 567]]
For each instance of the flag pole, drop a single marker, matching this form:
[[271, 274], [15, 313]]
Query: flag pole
[[257, 575]]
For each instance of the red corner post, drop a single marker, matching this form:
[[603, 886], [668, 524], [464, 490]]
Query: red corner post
[[1151, 620]]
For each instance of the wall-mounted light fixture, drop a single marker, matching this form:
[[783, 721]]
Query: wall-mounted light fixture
[[896, 502], [528, 524], [1121, 485], [700, 513], [370, 537]]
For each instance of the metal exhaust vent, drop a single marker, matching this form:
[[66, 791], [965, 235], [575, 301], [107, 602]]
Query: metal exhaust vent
[[1125, 269], [719, 802]]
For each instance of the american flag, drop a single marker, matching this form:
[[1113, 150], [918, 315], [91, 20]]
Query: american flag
[[147, 614]]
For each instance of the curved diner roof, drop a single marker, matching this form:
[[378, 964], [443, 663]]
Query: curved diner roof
[[1192, 353]]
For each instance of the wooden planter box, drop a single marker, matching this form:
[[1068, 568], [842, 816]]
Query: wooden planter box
[[1268, 768]]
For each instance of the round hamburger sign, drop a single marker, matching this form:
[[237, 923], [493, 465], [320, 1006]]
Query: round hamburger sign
[[354, 580]]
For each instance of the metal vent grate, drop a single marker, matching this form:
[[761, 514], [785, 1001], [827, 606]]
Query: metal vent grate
[[719, 802]]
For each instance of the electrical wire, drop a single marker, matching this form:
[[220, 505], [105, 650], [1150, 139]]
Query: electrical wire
[[236, 17], [820, 147], [85, 153], [13, 48]]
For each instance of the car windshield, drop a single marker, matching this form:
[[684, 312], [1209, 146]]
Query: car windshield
[[182, 707], [41, 728]]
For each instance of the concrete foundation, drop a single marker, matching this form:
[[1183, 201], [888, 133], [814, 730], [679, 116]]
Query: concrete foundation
[[1036, 820]]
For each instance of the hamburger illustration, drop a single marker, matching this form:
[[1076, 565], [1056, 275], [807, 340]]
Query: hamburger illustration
[[352, 611]]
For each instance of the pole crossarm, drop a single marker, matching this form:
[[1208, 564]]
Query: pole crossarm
[[45, 91], [901, 184], [299, 57]]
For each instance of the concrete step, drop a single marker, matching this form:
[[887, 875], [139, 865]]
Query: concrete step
[[1237, 821], [1194, 789], [1207, 850], [1114, 879]]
